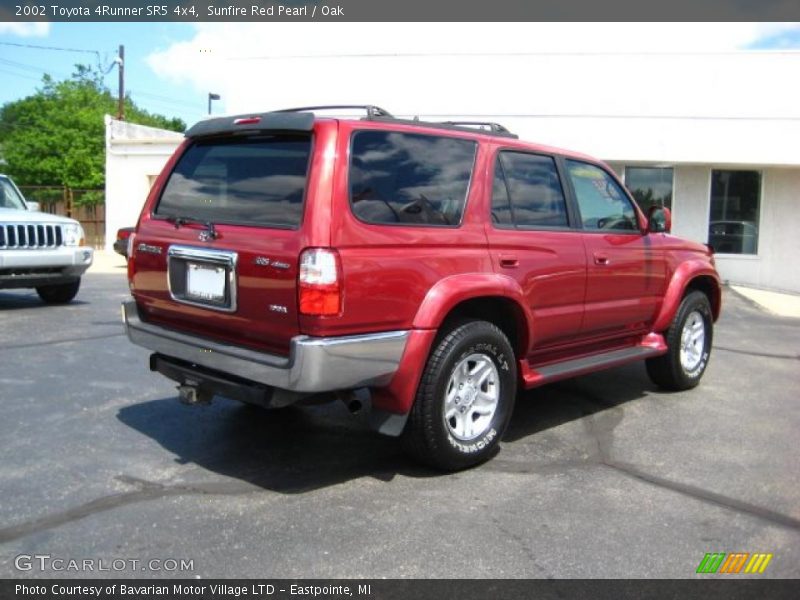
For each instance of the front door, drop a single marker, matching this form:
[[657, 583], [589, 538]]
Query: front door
[[626, 269]]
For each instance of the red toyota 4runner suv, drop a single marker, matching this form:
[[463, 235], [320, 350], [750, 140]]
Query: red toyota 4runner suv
[[425, 271]]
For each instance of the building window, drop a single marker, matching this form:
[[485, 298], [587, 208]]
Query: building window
[[733, 219], [650, 186]]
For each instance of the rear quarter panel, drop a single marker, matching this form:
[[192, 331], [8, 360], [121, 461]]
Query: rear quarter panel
[[389, 269]]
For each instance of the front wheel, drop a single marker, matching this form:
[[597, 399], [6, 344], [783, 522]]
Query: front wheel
[[465, 398], [689, 341], [59, 294]]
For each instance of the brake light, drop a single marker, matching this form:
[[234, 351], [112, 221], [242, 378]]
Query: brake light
[[319, 283], [131, 262]]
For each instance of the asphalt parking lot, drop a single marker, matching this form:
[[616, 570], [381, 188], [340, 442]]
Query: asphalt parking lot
[[600, 476]]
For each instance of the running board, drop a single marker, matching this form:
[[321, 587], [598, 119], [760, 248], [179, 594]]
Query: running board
[[651, 345]]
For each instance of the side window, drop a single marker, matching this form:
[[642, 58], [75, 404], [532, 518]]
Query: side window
[[409, 179], [602, 203], [533, 188]]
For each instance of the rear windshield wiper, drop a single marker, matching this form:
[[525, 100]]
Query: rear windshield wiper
[[180, 220]]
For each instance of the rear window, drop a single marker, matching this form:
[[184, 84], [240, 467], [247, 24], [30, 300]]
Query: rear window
[[409, 179], [256, 181]]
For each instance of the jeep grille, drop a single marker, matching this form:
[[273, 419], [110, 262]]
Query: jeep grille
[[30, 235]]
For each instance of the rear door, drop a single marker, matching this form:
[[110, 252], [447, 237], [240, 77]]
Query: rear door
[[216, 252], [531, 240]]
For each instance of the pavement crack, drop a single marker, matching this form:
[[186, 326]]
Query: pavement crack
[[760, 354], [523, 544], [698, 493], [87, 338], [146, 490]]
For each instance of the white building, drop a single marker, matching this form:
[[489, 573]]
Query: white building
[[712, 135], [135, 155]]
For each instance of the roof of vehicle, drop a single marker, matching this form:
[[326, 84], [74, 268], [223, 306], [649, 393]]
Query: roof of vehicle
[[303, 119]]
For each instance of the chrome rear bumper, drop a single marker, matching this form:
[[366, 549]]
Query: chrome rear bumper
[[314, 364]]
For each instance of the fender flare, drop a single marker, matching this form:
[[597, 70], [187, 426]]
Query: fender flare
[[451, 291], [683, 275]]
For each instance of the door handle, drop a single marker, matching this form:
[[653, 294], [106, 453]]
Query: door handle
[[509, 261], [601, 259]]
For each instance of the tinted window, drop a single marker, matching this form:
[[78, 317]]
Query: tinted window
[[408, 178], [733, 213], [259, 181], [650, 186], [537, 199], [602, 203]]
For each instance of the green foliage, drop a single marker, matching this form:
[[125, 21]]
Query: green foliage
[[57, 135]]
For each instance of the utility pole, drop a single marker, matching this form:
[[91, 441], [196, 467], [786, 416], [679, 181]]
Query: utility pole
[[121, 70]]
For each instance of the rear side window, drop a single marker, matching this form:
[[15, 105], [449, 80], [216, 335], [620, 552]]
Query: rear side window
[[530, 186], [256, 181], [409, 179]]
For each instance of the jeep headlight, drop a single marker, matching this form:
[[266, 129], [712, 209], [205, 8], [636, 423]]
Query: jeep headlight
[[73, 235]]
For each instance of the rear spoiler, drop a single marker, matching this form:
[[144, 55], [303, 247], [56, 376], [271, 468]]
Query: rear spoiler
[[270, 121]]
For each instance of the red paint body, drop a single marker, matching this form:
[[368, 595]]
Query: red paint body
[[574, 293]]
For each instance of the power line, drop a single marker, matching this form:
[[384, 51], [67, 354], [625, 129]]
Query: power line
[[20, 75], [27, 67], [57, 48]]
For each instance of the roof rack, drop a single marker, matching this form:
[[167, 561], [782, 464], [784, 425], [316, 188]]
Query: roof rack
[[372, 110], [493, 127], [464, 126], [376, 113]]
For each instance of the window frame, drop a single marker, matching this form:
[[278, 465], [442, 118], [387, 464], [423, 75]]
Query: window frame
[[495, 161], [576, 205], [761, 187], [232, 139], [467, 192]]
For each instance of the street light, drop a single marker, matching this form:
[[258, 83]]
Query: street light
[[210, 98]]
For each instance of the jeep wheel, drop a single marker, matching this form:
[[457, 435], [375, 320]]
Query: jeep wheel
[[465, 398], [689, 341], [59, 294]]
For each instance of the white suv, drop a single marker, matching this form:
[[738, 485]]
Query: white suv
[[38, 250]]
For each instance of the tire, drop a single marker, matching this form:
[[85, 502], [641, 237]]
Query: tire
[[474, 356], [689, 341], [59, 294]]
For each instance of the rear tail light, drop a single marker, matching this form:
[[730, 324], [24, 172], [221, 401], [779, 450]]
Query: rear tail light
[[319, 283], [131, 262]]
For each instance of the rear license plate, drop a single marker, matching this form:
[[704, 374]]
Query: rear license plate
[[205, 282]]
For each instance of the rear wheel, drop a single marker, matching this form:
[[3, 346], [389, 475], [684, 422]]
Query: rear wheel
[[465, 398], [59, 294], [689, 341]]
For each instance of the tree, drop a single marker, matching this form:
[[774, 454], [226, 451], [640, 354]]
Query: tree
[[57, 135]]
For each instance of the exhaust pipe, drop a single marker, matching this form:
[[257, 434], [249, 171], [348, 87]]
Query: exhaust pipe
[[356, 401]]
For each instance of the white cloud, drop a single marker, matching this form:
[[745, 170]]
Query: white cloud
[[38, 29], [431, 68]]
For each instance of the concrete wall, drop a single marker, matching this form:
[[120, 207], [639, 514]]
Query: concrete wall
[[134, 156]]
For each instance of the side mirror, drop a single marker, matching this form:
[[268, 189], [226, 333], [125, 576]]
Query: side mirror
[[33, 206], [659, 219]]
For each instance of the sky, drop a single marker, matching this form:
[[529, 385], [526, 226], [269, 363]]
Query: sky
[[171, 67]]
